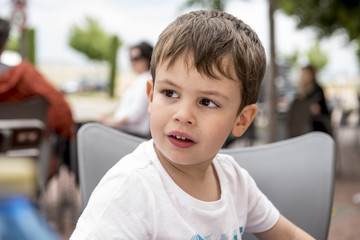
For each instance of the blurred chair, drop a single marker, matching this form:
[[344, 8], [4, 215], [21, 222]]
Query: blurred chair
[[21, 137], [296, 174], [32, 108], [20, 141]]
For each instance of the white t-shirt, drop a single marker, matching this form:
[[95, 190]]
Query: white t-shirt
[[134, 105], [137, 199]]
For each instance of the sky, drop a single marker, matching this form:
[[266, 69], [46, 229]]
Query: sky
[[138, 20]]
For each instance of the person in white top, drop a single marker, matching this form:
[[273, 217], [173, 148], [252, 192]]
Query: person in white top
[[207, 68], [131, 115]]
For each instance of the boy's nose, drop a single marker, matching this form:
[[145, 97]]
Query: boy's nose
[[185, 114]]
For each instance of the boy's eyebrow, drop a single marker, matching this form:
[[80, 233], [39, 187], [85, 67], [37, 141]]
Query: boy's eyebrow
[[211, 93], [166, 81], [214, 93]]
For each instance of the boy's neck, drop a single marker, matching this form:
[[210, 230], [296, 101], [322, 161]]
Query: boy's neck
[[200, 181]]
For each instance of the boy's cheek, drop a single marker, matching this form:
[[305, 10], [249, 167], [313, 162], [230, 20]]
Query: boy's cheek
[[152, 103]]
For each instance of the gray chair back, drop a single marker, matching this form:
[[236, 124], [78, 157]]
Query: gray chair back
[[34, 107], [296, 174], [99, 148]]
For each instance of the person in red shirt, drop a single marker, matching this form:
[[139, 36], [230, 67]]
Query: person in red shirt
[[24, 81]]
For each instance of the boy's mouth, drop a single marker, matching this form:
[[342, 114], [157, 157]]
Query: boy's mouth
[[181, 138]]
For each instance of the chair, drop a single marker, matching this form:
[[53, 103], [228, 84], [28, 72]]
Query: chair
[[99, 148], [31, 108], [21, 137], [296, 174], [19, 147]]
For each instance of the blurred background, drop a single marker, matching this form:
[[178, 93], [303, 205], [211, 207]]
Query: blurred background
[[82, 48]]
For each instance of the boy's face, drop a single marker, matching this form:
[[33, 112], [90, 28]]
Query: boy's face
[[192, 115]]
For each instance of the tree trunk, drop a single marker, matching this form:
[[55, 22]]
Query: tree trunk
[[27, 45], [271, 93], [113, 64]]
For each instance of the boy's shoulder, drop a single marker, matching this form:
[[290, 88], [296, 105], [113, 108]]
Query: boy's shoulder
[[226, 161], [138, 159], [134, 171], [231, 169]]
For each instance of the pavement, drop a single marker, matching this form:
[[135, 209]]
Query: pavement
[[61, 203], [345, 222]]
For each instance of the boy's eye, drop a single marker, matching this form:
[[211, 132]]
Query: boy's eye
[[208, 103], [170, 93]]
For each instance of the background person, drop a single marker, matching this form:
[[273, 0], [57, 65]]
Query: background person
[[131, 115], [309, 111], [23, 81]]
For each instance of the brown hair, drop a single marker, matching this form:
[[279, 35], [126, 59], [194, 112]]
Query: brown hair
[[145, 51], [215, 41], [4, 32]]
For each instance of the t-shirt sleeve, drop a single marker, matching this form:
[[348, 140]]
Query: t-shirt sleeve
[[117, 210], [254, 209], [262, 214]]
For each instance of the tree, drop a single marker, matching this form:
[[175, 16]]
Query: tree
[[97, 45], [90, 40], [270, 92], [317, 57], [13, 43], [326, 16], [24, 43]]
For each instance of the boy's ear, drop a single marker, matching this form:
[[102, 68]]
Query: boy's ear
[[244, 119], [149, 89], [149, 92]]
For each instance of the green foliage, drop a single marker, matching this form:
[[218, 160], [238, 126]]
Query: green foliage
[[96, 44], [317, 57], [326, 16], [292, 58], [24, 44], [13, 43], [208, 4], [30, 43], [91, 40]]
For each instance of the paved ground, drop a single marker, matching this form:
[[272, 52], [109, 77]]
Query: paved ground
[[62, 205], [345, 222]]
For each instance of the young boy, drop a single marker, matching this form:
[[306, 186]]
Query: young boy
[[207, 68]]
